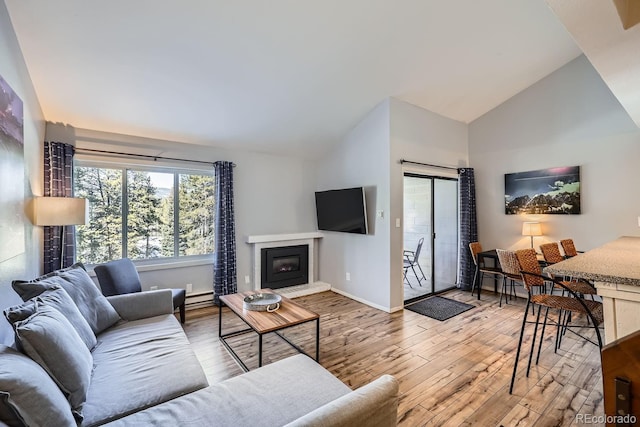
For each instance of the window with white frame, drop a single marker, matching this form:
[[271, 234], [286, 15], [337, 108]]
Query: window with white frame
[[143, 213]]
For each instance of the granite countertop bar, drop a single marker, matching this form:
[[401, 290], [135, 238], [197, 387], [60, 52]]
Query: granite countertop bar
[[615, 262]]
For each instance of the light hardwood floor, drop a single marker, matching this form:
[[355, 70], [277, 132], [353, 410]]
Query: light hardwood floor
[[452, 373]]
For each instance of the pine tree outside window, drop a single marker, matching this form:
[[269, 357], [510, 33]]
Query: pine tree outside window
[[144, 214]]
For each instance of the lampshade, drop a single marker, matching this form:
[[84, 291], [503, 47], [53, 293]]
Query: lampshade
[[531, 229], [59, 211]]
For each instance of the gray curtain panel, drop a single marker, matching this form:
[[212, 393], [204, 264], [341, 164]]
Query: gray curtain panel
[[468, 226], [224, 265], [58, 182]]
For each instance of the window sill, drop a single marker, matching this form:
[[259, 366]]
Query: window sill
[[167, 265]]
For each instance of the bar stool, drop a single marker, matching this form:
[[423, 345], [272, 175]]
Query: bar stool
[[575, 303]]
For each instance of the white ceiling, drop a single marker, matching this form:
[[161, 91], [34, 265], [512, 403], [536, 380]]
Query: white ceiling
[[281, 76], [613, 51]]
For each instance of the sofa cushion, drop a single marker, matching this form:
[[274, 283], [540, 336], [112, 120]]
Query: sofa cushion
[[50, 340], [372, 405], [139, 364], [272, 395], [27, 392], [59, 299], [92, 304], [8, 298]]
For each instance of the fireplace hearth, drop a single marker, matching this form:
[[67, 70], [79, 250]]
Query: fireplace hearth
[[284, 266]]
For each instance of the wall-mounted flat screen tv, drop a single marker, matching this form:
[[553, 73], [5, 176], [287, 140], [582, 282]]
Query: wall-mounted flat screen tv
[[342, 210]]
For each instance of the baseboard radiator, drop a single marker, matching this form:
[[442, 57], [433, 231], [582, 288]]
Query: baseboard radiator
[[199, 300]]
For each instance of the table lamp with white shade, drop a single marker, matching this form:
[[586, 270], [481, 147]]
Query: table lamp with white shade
[[531, 229]]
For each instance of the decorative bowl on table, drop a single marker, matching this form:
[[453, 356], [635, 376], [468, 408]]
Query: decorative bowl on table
[[262, 301]]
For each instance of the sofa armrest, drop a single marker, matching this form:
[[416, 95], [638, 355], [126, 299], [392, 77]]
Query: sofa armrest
[[373, 405], [140, 305]]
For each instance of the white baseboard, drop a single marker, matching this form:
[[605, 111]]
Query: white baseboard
[[364, 301], [394, 309]]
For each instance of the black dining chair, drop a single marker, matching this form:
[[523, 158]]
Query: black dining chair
[[411, 261], [121, 277]]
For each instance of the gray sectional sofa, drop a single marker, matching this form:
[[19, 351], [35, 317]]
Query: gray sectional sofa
[[83, 359]]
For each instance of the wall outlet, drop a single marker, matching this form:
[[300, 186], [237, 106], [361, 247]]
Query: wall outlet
[[153, 288], [348, 276], [189, 288], [247, 280]]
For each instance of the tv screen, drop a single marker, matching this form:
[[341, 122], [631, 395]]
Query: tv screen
[[342, 210]]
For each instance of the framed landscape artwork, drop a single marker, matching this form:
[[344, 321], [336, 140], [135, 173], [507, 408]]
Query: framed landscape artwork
[[12, 181], [544, 191]]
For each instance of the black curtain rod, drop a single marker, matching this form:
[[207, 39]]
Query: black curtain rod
[[402, 161], [146, 156]]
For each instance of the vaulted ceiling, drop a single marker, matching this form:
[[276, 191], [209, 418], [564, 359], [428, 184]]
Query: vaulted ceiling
[[281, 76]]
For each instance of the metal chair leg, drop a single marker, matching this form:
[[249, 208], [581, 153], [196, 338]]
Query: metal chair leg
[[473, 285], [515, 364], [504, 286], [406, 279], [558, 328], [479, 282], [533, 341], [415, 274], [421, 272], [544, 325]]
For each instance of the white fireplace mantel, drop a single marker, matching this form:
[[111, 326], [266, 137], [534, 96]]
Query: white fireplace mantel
[[267, 238], [260, 242]]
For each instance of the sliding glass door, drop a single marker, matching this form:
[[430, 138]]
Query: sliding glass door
[[445, 235], [430, 213]]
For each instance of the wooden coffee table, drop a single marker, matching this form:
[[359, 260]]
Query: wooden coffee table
[[262, 322]]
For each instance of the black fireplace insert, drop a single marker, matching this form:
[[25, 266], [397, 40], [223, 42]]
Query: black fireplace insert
[[285, 266]]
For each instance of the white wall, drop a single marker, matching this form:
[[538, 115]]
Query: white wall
[[361, 160], [569, 118], [421, 136], [28, 264], [273, 194], [369, 156]]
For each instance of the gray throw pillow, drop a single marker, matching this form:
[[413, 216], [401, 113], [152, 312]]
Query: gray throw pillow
[[29, 394], [93, 306], [50, 340], [59, 299], [8, 415]]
